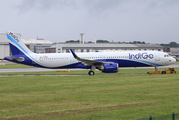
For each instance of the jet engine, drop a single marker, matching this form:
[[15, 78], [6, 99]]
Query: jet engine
[[109, 68]]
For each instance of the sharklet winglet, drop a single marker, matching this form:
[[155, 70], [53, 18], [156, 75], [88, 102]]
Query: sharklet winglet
[[74, 55]]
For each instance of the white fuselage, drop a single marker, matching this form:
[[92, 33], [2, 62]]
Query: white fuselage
[[148, 58]]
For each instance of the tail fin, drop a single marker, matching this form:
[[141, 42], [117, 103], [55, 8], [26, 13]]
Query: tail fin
[[16, 45]]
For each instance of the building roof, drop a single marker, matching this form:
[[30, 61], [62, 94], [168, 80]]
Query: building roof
[[34, 41], [108, 45], [148, 45]]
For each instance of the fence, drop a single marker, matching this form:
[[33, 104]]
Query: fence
[[173, 116]]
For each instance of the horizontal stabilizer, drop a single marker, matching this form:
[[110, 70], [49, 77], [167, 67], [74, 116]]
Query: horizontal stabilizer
[[20, 59]]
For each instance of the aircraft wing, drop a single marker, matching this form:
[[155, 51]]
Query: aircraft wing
[[86, 61]]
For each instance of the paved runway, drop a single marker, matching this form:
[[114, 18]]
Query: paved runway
[[172, 66], [31, 69], [44, 69]]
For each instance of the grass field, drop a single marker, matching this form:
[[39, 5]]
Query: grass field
[[128, 95]]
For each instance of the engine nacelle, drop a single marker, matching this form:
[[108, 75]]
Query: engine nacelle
[[109, 68]]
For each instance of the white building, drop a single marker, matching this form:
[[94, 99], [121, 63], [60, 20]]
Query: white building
[[175, 52], [64, 48], [37, 46]]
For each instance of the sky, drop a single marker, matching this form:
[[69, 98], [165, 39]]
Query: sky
[[151, 21]]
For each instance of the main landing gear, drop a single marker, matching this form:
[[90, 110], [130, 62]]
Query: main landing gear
[[91, 72]]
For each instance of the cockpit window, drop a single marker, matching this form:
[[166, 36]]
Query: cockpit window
[[166, 55]]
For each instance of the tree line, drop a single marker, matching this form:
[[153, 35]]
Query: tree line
[[106, 41], [171, 44]]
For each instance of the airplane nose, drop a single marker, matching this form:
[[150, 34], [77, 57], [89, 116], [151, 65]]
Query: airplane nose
[[174, 60]]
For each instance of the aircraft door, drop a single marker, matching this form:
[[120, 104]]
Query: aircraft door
[[157, 56]]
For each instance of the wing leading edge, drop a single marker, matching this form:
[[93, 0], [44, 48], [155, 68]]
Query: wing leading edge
[[86, 61]]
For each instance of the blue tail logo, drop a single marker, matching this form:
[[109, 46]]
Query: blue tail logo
[[13, 36]]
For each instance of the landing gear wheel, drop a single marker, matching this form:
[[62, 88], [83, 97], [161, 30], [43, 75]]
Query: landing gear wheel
[[91, 73], [163, 72]]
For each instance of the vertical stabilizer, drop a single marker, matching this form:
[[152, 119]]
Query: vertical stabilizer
[[16, 45]]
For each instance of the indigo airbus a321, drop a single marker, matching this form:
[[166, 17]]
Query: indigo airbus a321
[[107, 62]]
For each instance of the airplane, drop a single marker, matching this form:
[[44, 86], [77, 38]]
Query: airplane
[[107, 62]]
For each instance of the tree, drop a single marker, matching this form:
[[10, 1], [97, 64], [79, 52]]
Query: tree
[[73, 41], [90, 42], [173, 44], [143, 42], [102, 41], [164, 44]]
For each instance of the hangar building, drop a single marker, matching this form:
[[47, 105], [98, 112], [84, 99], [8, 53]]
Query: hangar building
[[37, 46], [64, 48]]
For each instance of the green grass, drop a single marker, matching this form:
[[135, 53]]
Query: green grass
[[177, 62], [130, 96]]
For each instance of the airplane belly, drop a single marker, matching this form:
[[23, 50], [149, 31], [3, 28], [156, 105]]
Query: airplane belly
[[55, 64]]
